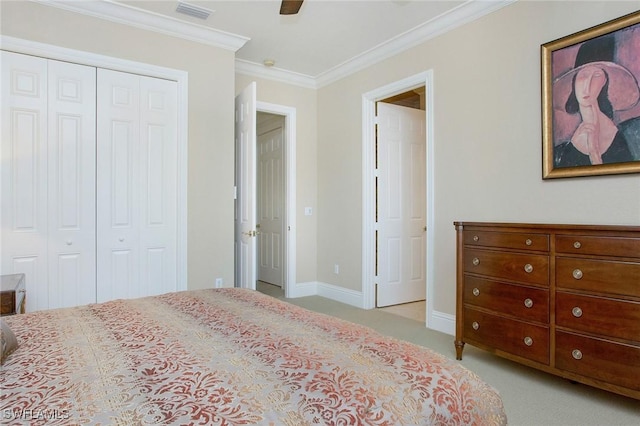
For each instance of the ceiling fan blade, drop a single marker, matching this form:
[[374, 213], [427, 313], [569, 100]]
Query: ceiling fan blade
[[290, 7]]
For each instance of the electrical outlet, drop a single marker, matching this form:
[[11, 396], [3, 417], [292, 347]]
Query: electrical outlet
[[218, 282], [336, 269]]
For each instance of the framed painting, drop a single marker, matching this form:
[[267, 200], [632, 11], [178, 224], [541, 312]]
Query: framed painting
[[591, 101]]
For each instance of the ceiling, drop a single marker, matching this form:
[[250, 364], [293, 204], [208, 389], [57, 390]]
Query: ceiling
[[326, 39]]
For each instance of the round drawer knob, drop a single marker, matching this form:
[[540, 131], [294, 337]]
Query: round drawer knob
[[121, 239], [528, 341], [475, 261], [577, 244], [528, 268], [69, 242], [577, 274], [576, 354], [475, 325], [577, 312], [476, 291], [476, 238], [528, 242], [528, 303]]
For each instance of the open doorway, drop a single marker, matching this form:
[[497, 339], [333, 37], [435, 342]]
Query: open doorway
[[400, 92], [270, 192], [246, 211], [400, 199]]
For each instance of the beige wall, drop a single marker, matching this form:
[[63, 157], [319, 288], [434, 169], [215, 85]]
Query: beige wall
[[305, 103], [211, 93], [487, 139]]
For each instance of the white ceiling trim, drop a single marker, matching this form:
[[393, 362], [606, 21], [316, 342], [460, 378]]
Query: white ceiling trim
[[129, 15], [276, 74], [463, 14]]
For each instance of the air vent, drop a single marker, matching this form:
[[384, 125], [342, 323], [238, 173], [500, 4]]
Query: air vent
[[193, 10]]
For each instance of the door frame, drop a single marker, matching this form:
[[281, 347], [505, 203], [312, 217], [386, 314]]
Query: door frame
[[50, 51], [289, 114], [369, 100]]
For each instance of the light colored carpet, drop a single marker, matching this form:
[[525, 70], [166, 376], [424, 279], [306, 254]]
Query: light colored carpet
[[531, 397]]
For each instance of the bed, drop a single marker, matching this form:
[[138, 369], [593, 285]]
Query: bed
[[229, 357]]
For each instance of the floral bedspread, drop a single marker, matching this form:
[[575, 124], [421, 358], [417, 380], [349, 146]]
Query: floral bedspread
[[228, 357]]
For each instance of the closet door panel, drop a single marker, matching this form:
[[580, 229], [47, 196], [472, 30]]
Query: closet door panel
[[71, 184], [23, 150], [118, 177], [158, 182]]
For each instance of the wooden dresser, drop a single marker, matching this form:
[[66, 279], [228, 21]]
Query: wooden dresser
[[561, 298]]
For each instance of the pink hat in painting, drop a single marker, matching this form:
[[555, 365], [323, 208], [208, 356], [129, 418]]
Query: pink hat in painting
[[624, 92]]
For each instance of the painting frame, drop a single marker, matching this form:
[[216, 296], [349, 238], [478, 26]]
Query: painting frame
[[564, 153]]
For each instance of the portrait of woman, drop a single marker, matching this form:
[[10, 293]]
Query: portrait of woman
[[597, 102]]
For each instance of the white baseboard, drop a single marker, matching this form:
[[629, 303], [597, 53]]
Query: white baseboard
[[330, 291], [341, 294], [303, 289], [444, 323]]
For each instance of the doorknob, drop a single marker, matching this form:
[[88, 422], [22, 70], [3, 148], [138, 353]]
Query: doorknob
[[250, 233]]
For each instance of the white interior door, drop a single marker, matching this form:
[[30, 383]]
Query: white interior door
[[401, 202], [71, 184], [136, 186], [245, 212], [271, 199], [24, 173]]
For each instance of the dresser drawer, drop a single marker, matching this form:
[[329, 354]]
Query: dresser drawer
[[523, 268], [510, 240], [599, 315], [523, 302], [515, 337], [605, 246], [600, 359], [598, 275]]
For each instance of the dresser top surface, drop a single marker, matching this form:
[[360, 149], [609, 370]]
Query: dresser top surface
[[548, 226], [11, 282]]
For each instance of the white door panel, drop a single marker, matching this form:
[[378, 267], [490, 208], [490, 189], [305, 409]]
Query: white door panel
[[401, 223], [245, 214], [118, 171], [71, 184], [137, 186], [271, 201], [158, 181], [24, 172]]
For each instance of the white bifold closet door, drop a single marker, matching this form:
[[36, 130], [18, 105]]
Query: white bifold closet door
[[48, 179], [88, 180], [136, 186]]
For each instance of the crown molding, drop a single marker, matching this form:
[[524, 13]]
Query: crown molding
[[461, 15], [143, 19], [275, 74]]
